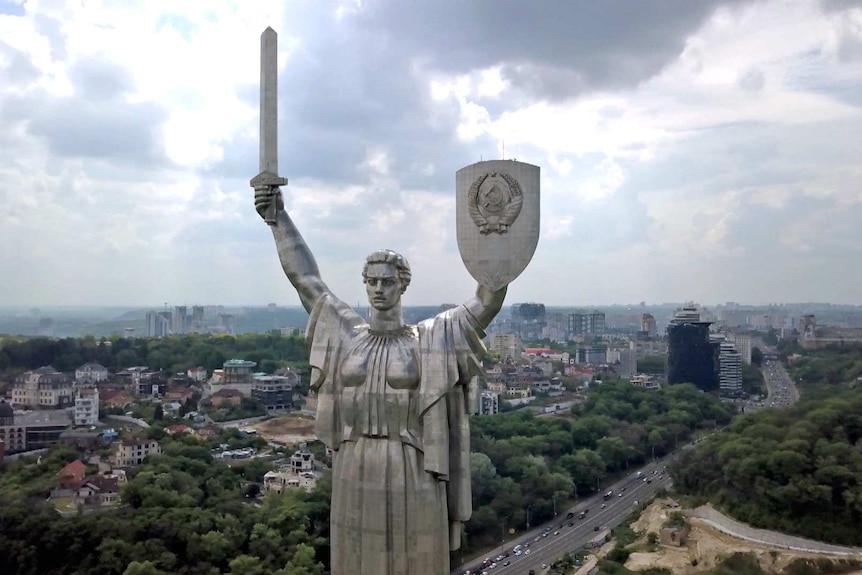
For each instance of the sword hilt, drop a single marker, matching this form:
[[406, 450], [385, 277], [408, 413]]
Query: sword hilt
[[272, 182]]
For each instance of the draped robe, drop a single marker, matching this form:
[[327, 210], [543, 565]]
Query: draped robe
[[394, 408]]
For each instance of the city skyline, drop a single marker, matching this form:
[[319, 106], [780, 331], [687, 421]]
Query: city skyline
[[708, 152]]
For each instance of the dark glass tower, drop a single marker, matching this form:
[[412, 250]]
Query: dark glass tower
[[690, 354]]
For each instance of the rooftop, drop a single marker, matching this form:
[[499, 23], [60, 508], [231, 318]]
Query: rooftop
[[52, 417]]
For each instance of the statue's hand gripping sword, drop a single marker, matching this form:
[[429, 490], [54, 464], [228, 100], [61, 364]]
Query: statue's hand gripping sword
[[268, 177]]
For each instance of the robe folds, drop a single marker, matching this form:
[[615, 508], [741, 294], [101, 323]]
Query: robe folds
[[394, 408]]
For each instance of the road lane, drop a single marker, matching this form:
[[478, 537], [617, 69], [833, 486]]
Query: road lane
[[548, 549]]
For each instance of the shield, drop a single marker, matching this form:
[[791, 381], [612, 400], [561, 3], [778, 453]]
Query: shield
[[497, 218]]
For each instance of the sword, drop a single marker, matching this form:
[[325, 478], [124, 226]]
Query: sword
[[268, 176]]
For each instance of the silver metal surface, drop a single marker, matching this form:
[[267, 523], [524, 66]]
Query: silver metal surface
[[268, 178], [497, 216], [393, 400]]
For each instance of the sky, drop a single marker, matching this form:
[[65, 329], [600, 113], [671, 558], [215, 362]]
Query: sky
[[690, 151]]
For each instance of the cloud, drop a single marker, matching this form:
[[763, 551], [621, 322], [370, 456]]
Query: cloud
[[694, 150]]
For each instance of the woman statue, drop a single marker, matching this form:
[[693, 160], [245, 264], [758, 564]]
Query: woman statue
[[393, 405]]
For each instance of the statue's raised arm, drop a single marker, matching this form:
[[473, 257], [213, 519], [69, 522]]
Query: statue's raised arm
[[297, 261], [486, 304]]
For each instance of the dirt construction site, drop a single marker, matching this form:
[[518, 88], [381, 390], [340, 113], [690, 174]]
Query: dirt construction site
[[286, 429], [706, 546]]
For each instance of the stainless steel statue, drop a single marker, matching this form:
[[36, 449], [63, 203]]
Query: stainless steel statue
[[393, 399]]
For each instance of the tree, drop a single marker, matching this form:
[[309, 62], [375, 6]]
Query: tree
[[302, 562], [158, 412], [246, 565], [756, 356], [142, 568]]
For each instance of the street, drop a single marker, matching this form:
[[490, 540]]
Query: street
[[545, 550]]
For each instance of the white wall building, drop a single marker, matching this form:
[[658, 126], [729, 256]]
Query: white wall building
[[91, 372], [87, 406], [730, 369], [131, 452], [44, 387]]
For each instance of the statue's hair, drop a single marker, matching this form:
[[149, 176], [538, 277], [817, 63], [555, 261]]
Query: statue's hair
[[393, 258]]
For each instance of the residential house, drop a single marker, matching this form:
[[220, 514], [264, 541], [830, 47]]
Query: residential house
[[178, 428], [226, 396], [131, 452], [98, 491], [197, 374], [115, 398], [91, 372], [71, 475], [207, 432], [43, 388], [180, 394], [280, 481], [172, 407], [302, 460]]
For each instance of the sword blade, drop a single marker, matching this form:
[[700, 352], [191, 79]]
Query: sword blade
[[269, 101]]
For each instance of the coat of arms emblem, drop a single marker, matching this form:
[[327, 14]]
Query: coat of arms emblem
[[497, 215], [495, 201]]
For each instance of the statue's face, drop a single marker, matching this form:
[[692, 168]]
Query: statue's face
[[382, 286]]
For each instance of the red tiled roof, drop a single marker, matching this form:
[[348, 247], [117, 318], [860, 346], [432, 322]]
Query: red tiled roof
[[75, 470]]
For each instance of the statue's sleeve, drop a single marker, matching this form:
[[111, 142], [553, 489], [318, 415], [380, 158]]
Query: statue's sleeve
[[331, 324], [452, 350]]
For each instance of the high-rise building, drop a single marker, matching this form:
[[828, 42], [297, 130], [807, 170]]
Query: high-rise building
[[648, 325], [730, 369], [528, 320], [226, 322], [743, 346], [158, 323], [583, 323], [691, 356], [180, 320], [628, 363], [198, 314], [506, 345]]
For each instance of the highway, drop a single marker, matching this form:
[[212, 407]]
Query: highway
[[781, 390], [545, 550]]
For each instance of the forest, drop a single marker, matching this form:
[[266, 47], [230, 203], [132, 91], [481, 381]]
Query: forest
[[797, 470], [183, 513], [173, 354], [527, 467]]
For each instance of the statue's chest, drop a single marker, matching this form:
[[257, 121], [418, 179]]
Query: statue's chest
[[380, 362]]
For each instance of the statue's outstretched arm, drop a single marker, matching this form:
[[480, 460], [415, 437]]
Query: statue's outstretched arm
[[297, 260], [486, 304]]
